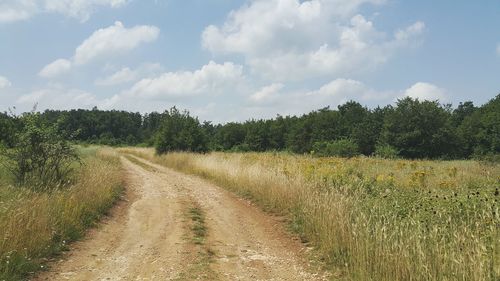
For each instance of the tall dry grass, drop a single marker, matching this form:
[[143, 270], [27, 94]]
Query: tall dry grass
[[372, 219], [34, 226]]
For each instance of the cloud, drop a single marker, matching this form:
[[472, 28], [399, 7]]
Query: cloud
[[426, 91], [59, 97], [80, 9], [114, 39], [126, 74], [55, 68], [267, 94], [4, 82], [273, 99], [212, 78], [105, 42], [122, 76], [280, 39], [11, 11], [339, 91], [17, 10]]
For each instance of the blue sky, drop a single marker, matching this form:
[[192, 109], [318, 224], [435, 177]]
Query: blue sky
[[228, 60]]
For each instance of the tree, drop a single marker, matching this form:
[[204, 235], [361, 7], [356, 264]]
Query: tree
[[340, 148], [7, 130], [230, 135], [487, 122], [180, 132], [41, 158], [420, 129]]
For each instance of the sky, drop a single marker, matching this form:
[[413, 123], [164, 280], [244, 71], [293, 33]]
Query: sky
[[233, 60]]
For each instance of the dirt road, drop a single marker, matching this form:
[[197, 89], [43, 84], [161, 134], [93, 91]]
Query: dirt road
[[180, 227]]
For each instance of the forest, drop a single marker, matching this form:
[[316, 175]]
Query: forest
[[410, 128]]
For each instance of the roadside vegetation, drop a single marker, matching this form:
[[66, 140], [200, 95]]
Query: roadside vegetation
[[50, 193], [371, 218]]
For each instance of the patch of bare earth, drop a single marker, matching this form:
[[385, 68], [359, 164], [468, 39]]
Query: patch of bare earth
[[156, 236]]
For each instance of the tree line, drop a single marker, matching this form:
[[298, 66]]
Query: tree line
[[410, 129]]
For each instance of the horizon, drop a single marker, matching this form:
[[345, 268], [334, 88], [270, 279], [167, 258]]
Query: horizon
[[241, 60], [250, 119]]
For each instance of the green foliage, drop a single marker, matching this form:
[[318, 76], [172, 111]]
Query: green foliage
[[416, 129], [41, 157], [7, 130], [488, 130], [419, 129], [341, 148], [386, 151], [180, 132]]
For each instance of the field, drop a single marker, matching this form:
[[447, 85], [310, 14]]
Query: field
[[369, 218], [34, 226]]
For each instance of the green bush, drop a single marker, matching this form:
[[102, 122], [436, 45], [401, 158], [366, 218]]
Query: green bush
[[340, 148], [386, 151], [41, 158], [180, 132]]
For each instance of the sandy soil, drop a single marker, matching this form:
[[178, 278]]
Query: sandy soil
[[148, 237]]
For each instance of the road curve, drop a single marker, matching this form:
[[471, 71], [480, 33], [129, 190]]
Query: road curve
[[148, 236]]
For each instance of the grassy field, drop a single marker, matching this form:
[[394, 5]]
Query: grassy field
[[372, 219], [36, 225]]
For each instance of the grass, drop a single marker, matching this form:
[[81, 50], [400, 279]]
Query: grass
[[198, 225], [200, 267], [140, 163], [369, 218], [37, 225]]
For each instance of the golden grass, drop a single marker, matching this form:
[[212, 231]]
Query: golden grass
[[34, 226], [372, 219]]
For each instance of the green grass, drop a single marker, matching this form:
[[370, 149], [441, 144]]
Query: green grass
[[198, 225], [200, 267]]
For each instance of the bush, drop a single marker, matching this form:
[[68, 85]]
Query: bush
[[41, 158], [180, 132], [386, 151], [341, 148]]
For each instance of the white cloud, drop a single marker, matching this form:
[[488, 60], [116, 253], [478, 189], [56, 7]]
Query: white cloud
[[11, 11], [80, 9], [122, 76], [126, 74], [55, 68], [273, 99], [280, 39], [4, 82], [114, 39], [103, 43], [59, 97], [426, 91], [340, 91], [212, 78], [267, 94], [17, 10]]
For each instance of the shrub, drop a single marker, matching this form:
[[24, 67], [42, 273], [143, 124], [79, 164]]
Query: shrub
[[41, 158], [386, 151], [180, 132], [341, 148]]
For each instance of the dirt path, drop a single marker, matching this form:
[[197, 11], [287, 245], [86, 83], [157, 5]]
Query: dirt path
[[180, 227]]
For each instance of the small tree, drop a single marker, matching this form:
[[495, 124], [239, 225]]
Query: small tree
[[340, 148], [41, 158], [180, 132], [386, 151]]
